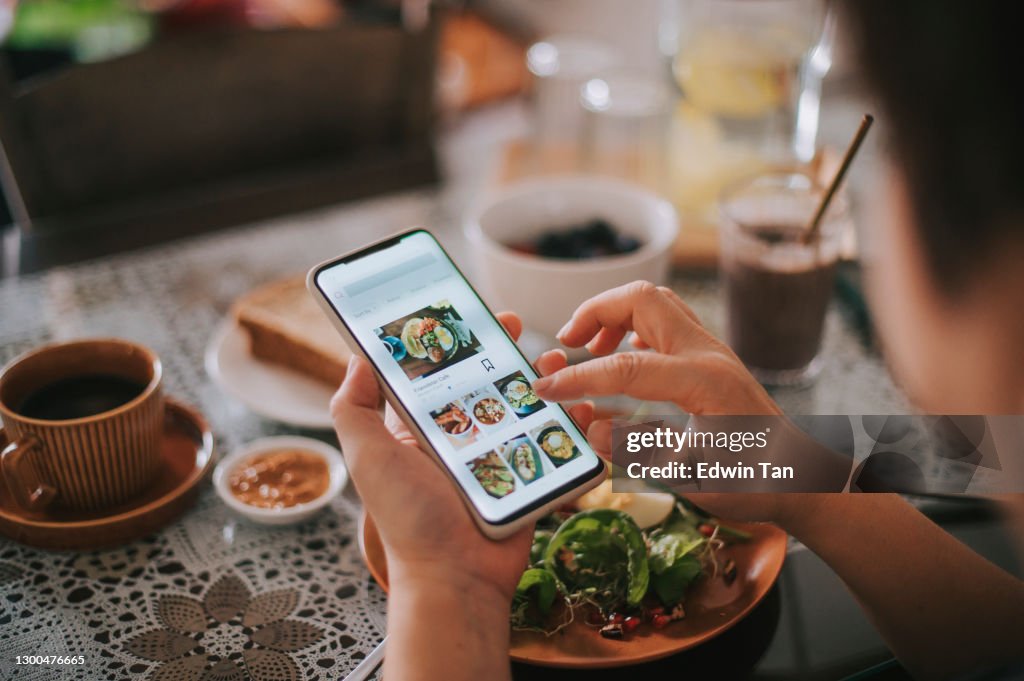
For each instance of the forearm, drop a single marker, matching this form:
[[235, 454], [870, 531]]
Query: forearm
[[942, 608], [443, 630]]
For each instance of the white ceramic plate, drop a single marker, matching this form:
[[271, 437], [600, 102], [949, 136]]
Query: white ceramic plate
[[272, 392]]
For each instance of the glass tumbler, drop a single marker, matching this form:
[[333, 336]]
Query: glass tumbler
[[626, 126], [777, 281], [560, 65], [755, 68]]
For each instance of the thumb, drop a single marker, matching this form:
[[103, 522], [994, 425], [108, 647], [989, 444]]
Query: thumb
[[360, 427], [359, 387]]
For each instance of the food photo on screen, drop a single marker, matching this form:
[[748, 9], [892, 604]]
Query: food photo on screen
[[520, 395], [552, 438], [454, 421], [429, 340], [488, 409], [493, 475], [523, 457]]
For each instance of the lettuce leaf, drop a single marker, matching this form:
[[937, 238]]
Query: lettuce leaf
[[538, 586], [602, 553], [671, 584]]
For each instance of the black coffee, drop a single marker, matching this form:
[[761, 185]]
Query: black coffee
[[776, 314], [80, 396]]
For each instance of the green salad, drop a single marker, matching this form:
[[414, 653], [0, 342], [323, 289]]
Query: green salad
[[600, 565], [520, 394]]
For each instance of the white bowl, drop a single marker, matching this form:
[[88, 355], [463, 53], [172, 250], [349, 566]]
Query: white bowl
[[546, 291], [281, 516], [481, 424]]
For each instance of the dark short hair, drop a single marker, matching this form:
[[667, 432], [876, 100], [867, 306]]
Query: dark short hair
[[949, 81]]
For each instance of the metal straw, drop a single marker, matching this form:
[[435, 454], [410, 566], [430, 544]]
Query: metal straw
[[811, 233]]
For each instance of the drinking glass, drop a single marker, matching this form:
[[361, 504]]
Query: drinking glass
[[626, 116], [777, 281], [560, 65], [746, 64], [750, 74]]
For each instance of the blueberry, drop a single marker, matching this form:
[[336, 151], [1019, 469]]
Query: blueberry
[[600, 232], [594, 238], [554, 245], [626, 244]]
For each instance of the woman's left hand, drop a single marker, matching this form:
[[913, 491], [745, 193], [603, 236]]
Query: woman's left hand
[[427, 531]]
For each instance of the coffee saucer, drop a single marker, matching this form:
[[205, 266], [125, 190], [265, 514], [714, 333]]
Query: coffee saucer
[[186, 458]]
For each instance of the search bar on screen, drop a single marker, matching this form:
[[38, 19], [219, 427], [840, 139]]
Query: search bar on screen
[[390, 274]]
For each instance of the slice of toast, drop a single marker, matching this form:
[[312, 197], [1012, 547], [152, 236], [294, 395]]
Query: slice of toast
[[286, 328]]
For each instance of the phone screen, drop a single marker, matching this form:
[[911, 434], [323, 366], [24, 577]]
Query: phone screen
[[461, 378]]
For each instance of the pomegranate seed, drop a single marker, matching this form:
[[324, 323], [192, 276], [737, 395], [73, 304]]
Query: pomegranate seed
[[630, 624], [706, 529], [661, 621], [616, 618], [656, 610]]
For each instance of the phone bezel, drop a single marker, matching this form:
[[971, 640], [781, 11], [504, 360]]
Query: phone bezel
[[574, 483]]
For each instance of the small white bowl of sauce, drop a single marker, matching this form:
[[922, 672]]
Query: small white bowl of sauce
[[280, 480]]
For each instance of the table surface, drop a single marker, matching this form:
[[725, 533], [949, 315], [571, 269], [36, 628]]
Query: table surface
[[327, 613]]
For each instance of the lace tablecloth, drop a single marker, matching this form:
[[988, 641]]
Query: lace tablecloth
[[213, 597]]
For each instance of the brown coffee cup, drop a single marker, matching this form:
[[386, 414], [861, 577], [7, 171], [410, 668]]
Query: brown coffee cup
[[93, 461]]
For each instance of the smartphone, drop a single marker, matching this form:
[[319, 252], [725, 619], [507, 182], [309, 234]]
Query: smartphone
[[461, 384]]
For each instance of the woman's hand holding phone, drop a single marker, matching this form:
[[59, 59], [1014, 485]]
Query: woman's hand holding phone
[[450, 586], [426, 530]]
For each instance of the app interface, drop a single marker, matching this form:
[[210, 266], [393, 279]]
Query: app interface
[[457, 373]]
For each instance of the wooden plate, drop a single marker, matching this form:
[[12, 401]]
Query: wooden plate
[[186, 457], [712, 607]]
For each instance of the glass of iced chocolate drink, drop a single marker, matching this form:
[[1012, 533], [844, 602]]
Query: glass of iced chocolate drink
[[777, 282]]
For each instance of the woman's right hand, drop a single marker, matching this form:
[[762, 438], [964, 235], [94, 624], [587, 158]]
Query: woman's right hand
[[688, 366], [676, 360]]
